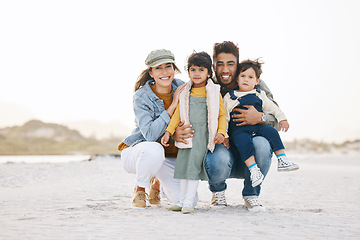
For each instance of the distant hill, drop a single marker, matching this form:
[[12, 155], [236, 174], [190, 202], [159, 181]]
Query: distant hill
[[15, 115], [308, 145], [37, 137]]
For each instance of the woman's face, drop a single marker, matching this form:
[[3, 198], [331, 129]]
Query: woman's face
[[163, 75]]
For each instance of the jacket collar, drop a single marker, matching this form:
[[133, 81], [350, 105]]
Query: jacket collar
[[149, 91]]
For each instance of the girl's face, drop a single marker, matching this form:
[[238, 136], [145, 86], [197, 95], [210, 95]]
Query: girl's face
[[163, 75], [247, 80], [198, 76]]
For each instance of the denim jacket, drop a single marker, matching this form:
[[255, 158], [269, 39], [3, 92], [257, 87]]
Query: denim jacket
[[151, 118]]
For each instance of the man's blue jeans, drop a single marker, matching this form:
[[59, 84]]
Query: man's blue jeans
[[225, 163]]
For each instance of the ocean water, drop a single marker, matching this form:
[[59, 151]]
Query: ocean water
[[43, 158]]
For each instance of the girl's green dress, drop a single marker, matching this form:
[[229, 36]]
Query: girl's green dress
[[190, 161]]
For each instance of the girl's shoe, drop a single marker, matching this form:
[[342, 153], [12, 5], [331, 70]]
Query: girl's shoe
[[187, 210], [175, 208]]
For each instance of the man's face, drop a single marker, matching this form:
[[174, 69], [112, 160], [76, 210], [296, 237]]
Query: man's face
[[225, 69]]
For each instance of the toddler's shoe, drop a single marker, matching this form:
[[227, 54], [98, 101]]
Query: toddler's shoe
[[256, 176], [286, 165]]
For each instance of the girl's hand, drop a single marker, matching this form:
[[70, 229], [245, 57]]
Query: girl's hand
[[284, 125], [219, 138], [165, 139], [226, 143]]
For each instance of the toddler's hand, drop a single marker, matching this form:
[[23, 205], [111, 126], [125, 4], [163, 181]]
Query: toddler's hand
[[226, 143], [284, 125], [165, 139], [219, 138]]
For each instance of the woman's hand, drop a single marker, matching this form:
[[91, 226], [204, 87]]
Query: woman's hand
[[165, 139], [219, 138], [284, 125], [175, 101], [177, 94]]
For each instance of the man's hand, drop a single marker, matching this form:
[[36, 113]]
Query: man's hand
[[183, 132], [249, 116], [284, 125], [219, 138]]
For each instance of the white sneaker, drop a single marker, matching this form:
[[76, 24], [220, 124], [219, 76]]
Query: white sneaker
[[256, 176], [218, 200], [286, 165], [253, 204]]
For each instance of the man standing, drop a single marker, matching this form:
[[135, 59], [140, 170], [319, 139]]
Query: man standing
[[224, 163]]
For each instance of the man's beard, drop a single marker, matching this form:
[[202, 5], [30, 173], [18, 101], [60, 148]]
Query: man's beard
[[218, 79]]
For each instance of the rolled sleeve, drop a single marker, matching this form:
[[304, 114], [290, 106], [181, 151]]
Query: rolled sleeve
[[151, 126]]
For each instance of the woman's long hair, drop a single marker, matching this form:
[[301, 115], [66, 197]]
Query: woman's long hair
[[145, 76]]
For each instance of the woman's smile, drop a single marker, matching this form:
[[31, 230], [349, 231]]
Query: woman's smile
[[165, 78]]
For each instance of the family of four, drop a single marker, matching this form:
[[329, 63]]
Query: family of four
[[210, 128]]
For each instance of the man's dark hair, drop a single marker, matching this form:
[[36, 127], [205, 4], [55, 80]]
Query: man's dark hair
[[226, 47]]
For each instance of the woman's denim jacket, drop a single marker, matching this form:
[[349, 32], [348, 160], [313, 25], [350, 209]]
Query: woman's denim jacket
[[151, 118]]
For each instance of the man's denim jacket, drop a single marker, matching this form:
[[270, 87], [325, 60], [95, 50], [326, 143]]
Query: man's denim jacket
[[151, 118]]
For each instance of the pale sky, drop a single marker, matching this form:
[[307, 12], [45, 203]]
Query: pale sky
[[77, 60]]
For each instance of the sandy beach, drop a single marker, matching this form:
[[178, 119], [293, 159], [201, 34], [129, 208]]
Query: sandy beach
[[91, 200]]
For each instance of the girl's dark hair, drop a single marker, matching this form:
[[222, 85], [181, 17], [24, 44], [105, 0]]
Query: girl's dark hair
[[200, 59], [145, 76], [254, 64]]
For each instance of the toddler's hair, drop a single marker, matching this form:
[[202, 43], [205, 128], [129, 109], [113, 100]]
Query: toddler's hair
[[254, 64], [200, 59]]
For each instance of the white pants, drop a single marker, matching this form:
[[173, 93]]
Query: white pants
[[147, 159], [188, 192]]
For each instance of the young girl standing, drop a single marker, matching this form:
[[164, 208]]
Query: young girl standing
[[201, 105]]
